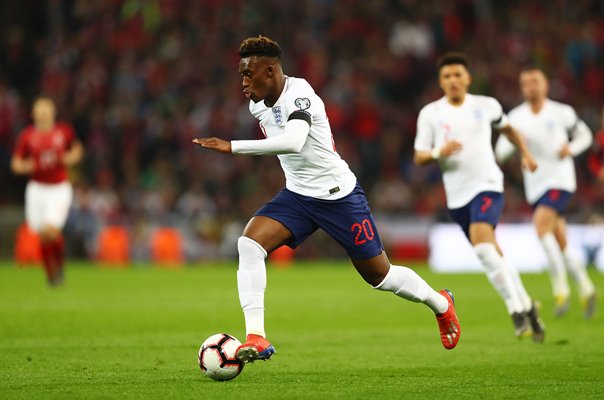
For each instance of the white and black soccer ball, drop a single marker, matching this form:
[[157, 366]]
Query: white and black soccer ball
[[217, 357]]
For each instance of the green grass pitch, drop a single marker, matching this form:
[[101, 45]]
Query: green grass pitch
[[134, 334]]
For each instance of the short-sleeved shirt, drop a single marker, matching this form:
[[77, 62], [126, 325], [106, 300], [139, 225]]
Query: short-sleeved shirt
[[317, 170], [46, 150], [545, 133], [473, 169]]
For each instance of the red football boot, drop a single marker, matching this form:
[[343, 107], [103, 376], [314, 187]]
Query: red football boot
[[255, 348], [450, 330]]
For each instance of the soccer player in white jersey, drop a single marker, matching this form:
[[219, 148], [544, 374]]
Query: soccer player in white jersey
[[554, 134], [321, 192], [455, 132]]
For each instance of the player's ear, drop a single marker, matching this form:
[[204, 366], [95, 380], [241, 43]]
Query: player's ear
[[270, 70]]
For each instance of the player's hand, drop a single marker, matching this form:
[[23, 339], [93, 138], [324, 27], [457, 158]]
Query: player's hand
[[214, 143], [528, 162], [23, 166], [565, 151], [69, 159], [450, 147]]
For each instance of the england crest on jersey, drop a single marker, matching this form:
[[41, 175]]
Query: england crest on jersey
[[277, 115]]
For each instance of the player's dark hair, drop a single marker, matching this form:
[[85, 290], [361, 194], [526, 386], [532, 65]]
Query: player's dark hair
[[43, 97], [531, 66], [451, 59], [260, 46]]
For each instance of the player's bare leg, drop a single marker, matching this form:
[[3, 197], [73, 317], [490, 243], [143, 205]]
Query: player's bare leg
[[261, 236], [577, 271], [506, 281], [545, 220], [52, 253], [405, 283]]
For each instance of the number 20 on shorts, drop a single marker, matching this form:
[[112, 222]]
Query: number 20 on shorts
[[363, 232]]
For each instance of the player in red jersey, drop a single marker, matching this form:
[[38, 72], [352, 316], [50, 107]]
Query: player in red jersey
[[44, 151]]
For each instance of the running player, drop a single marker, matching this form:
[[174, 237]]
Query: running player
[[455, 132], [554, 134], [44, 151], [321, 192]]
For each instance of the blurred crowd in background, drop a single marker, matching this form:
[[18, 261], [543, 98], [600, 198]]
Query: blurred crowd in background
[[139, 79]]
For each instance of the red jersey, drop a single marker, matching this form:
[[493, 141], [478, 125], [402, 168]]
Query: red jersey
[[46, 149]]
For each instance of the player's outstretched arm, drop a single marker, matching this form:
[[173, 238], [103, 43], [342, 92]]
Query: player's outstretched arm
[[214, 143], [291, 141], [450, 147], [517, 140]]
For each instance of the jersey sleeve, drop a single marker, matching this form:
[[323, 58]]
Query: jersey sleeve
[[570, 119], [424, 137], [69, 134], [303, 103], [20, 150], [498, 118]]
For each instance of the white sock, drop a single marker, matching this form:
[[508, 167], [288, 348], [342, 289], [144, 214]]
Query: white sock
[[525, 299], [557, 269], [251, 283], [405, 283], [579, 273], [499, 275]]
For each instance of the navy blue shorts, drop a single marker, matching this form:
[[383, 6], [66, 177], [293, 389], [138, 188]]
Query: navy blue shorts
[[554, 198], [348, 220], [485, 207]]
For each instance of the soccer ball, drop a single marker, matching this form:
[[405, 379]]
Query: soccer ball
[[217, 357]]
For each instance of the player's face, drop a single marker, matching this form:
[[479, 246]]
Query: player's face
[[533, 85], [454, 80], [256, 78], [43, 112]]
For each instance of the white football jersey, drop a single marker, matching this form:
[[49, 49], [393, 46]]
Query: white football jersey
[[545, 134], [317, 170], [473, 169]]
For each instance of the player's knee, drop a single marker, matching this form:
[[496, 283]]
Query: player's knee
[[48, 233], [375, 278], [372, 270], [544, 221], [249, 249]]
